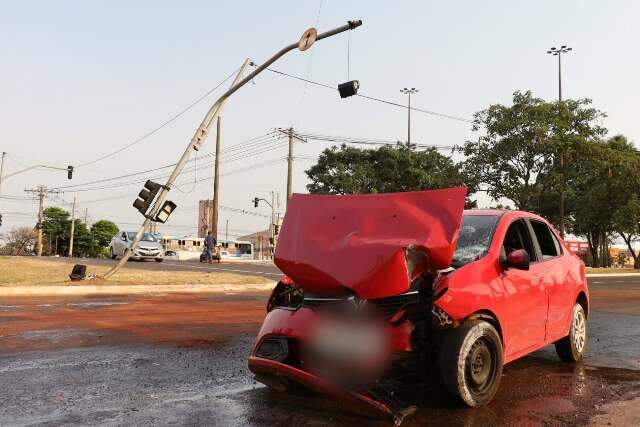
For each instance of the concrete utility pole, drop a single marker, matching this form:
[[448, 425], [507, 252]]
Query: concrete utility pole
[[227, 232], [2, 169], [73, 224], [408, 92], [290, 133], [558, 52], [213, 222], [308, 38], [41, 191]]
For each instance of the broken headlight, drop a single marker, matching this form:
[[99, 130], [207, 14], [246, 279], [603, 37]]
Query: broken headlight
[[288, 296]]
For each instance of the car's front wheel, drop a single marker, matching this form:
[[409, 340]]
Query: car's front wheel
[[470, 362], [571, 348], [159, 259], [112, 254]]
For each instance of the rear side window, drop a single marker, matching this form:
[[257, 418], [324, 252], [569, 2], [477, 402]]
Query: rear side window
[[546, 240]]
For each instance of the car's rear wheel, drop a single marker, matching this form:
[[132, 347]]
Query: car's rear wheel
[[159, 259], [470, 362], [572, 347]]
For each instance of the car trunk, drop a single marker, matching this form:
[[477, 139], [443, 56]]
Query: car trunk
[[368, 244]]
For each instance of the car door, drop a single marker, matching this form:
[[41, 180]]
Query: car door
[[554, 274], [526, 295]]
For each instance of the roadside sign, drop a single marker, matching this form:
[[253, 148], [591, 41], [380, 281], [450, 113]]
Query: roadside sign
[[307, 39]]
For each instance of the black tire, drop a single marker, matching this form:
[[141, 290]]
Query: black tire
[[112, 254], [572, 347], [470, 361], [159, 259]]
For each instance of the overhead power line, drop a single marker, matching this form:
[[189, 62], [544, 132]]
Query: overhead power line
[[372, 98], [162, 125]]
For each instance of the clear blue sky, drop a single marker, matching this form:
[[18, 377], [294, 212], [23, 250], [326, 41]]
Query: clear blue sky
[[79, 79]]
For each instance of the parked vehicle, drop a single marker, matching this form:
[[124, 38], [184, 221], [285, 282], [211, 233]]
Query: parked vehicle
[[455, 293], [148, 248], [171, 255]]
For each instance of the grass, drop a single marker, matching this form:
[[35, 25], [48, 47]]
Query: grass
[[30, 271]]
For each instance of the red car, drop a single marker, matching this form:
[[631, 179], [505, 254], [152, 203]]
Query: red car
[[377, 283]]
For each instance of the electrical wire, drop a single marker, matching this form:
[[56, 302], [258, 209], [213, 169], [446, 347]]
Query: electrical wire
[[371, 98], [164, 124]]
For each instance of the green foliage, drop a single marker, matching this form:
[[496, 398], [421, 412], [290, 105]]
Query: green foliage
[[514, 157], [57, 232], [349, 170], [102, 231]]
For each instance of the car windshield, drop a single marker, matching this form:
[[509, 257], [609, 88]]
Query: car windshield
[[146, 237], [475, 236]]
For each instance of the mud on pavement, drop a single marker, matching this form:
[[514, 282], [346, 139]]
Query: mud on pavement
[[181, 359]]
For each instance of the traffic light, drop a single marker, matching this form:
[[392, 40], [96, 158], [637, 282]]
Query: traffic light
[[349, 88], [276, 229], [69, 172], [0, 220], [165, 211], [146, 196], [255, 202]]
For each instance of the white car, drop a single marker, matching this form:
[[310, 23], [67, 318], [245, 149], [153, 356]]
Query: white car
[[148, 248]]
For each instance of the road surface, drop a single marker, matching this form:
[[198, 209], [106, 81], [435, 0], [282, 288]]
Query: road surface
[[181, 359]]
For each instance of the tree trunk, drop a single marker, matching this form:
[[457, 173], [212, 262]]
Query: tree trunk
[[594, 246]]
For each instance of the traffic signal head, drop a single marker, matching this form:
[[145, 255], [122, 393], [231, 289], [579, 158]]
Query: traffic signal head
[[165, 211], [276, 229], [349, 88], [255, 202], [69, 172], [146, 196]]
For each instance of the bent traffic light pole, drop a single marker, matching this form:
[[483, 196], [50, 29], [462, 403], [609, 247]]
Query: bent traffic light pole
[[201, 133]]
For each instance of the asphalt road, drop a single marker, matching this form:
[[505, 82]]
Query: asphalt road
[[181, 359]]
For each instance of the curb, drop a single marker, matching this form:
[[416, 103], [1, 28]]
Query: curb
[[65, 290]]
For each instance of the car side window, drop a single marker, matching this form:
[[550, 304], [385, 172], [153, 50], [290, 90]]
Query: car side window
[[546, 240], [518, 237]]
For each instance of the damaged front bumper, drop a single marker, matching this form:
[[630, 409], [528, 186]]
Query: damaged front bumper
[[277, 359]]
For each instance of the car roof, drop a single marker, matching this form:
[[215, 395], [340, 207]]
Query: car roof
[[507, 213]]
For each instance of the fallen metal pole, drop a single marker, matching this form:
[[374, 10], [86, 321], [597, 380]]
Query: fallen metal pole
[[203, 130]]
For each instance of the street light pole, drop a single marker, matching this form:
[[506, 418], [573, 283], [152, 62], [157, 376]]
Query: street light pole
[[558, 52], [408, 92], [309, 37]]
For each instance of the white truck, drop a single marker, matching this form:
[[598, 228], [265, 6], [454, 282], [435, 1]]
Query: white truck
[[148, 248]]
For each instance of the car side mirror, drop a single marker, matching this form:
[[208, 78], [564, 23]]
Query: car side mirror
[[518, 259], [123, 238]]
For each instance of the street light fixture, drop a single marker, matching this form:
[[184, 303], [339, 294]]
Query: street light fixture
[[408, 92], [558, 52]]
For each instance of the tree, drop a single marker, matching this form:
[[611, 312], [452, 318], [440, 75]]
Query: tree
[[349, 170], [605, 184], [56, 227], [101, 232], [19, 239], [514, 157]]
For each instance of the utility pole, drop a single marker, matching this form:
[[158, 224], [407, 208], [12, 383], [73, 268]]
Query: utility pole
[[213, 222], [408, 92], [2, 169], [86, 216], [290, 133], [227, 232], [41, 191], [73, 224], [558, 52]]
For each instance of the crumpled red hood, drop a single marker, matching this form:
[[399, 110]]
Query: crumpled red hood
[[329, 243]]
